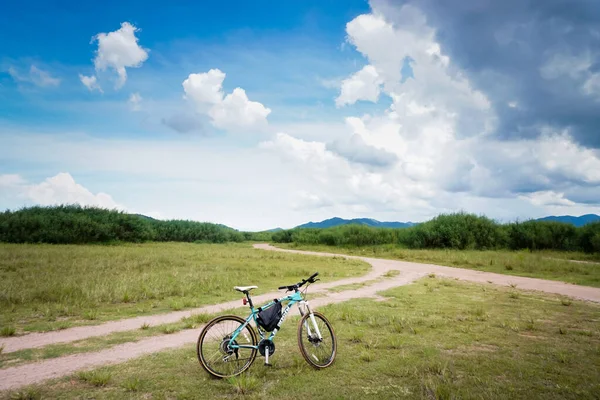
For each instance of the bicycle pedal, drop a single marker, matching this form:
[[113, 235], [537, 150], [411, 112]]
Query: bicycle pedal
[[268, 365]]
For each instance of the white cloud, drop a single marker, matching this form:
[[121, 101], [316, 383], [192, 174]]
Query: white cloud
[[548, 198], [231, 112], [135, 102], [119, 50], [237, 112], [309, 201], [90, 82], [355, 149], [56, 190], [35, 76], [434, 138], [388, 41], [10, 180], [363, 85], [205, 88]]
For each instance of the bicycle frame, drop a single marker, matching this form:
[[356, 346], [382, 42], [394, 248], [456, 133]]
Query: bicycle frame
[[292, 299]]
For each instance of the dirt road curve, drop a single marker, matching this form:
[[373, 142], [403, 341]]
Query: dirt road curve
[[15, 377], [566, 289]]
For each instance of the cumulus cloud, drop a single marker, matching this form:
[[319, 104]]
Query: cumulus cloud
[[119, 50], [205, 88], [56, 190], [35, 76], [135, 102], [363, 85], [229, 112], [236, 112], [344, 183], [90, 82], [437, 147], [542, 55], [391, 40]]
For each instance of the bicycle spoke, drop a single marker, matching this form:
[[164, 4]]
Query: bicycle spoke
[[318, 351], [216, 353]]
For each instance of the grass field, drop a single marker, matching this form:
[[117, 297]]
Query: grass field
[[435, 339], [49, 287], [544, 264]]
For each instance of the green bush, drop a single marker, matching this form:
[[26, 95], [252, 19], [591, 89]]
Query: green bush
[[455, 231], [72, 224], [541, 235], [589, 237], [282, 236]]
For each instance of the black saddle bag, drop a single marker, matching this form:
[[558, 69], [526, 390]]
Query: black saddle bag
[[269, 318]]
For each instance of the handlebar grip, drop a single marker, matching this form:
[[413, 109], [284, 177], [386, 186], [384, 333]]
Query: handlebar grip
[[313, 276], [282, 287]]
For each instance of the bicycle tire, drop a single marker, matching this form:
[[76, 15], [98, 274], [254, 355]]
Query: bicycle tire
[[310, 356], [201, 339]]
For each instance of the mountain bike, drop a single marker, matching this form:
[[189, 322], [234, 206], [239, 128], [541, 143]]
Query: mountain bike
[[228, 345]]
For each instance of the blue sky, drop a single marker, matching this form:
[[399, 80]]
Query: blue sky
[[262, 114]]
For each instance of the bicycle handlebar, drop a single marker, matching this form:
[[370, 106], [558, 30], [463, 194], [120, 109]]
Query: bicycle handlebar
[[298, 285]]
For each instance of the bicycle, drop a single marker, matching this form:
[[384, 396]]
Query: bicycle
[[228, 345]]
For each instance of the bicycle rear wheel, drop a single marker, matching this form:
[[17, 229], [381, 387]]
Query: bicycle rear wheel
[[215, 354], [320, 353]]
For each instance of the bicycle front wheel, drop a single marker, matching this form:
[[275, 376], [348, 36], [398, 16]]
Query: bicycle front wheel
[[318, 352], [214, 347]]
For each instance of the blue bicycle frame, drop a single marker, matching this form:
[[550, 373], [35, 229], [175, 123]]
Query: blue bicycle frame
[[291, 299]]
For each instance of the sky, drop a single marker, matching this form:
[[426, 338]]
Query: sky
[[270, 114]]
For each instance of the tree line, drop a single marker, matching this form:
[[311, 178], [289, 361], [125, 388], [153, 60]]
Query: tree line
[[76, 224], [459, 231]]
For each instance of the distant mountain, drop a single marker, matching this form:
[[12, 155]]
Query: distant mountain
[[274, 230], [569, 219], [328, 223]]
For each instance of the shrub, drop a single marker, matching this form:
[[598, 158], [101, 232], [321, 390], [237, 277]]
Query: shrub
[[456, 231], [73, 224], [589, 238]]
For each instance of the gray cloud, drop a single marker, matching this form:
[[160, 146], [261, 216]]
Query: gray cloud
[[355, 149], [538, 62], [184, 123]]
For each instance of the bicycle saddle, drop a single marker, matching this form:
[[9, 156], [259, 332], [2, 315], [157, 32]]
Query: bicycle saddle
[[245, 289]]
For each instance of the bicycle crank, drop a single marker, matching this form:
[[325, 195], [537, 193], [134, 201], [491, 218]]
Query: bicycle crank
[[265, 344]]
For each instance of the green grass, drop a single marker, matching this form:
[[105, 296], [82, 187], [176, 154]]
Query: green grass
[[99, 377], [7, 331], [49, 287], [435, 339], [544, 264]]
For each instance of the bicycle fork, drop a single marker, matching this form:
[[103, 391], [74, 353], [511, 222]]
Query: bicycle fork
[[312, 320]]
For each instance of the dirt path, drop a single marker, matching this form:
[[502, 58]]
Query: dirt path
[[14, 377], [574, 261], [566, 289]]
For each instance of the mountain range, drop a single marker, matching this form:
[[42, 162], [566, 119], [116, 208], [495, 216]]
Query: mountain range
[[569, 219], [336, 221], [328, 223]]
